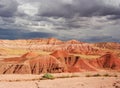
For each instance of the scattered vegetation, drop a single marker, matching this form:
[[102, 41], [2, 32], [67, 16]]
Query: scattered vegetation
[[48, 76], [95, 75], [98, 75], [74, 76], [88, 75], [68, 76], [115, 76], [107, 75], [64, 76]]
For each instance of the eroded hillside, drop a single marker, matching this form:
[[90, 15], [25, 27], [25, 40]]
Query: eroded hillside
[[35, 56]]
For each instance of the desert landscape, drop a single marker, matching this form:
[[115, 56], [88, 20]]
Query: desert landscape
[[70, 64], [59, 43]]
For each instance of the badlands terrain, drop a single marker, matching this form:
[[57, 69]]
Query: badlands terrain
[[32, 57]]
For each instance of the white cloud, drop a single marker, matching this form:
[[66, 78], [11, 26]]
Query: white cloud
[[28, 9], [115, 3]]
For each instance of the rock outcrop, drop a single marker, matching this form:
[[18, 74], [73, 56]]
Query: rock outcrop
[[50, 45], [30, 63], [107, 61], [108, 45], [57, 62], [73, 63], [60, 53], [61, 59], [73, 42]]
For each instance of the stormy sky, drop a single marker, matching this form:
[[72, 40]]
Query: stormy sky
[[85, 20]]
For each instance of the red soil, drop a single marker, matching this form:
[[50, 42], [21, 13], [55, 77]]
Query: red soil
[[60, 60], [60, 53], [107, 61]]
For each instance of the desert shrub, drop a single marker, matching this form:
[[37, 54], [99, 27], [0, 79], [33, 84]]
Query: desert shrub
[[74, 76], [64, 76], [48, 76], [96, 75], [88, 75], [106, 75], [115, 76]]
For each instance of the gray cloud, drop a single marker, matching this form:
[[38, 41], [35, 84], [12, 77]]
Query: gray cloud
[[78, 7], [101, 39], [86, 20], [113, 17], [22, 34], [8, 8]]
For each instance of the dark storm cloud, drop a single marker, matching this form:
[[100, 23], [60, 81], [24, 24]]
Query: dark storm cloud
[[8, 8], [113, 17], [21, 34], [77, 7], [8, 20], [87, 20], [38, 35], [101, 39], [10, 33]]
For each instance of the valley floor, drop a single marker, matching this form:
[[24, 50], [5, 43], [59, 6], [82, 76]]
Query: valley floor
[[79, 82], [32, 81]]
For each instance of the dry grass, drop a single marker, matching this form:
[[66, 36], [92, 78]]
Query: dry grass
[[87, 56], [22, 51], [104, 75]]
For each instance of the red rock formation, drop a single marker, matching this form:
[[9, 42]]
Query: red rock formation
[[14, 68], [13, 59], [3, 52], [54, 41], [50, 44], [84, 48], [73, 42], [60, 53], [108, 45], [43, 64], [58, 61], [77, 64], [24, 57], [72, 63], [30, 63], [107, 61], [30, 55]]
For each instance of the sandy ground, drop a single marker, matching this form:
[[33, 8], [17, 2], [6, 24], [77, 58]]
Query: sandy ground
[[32, 81], [8, 56], [79, 82]]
